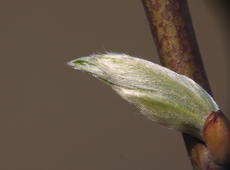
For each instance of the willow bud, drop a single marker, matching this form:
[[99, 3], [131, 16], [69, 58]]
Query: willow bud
[[162, 95]]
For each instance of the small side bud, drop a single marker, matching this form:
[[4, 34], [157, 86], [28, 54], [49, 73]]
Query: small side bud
[[201, 159], [216, 135]]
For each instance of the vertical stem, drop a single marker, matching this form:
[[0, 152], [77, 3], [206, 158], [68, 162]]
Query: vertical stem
[[174, 37], [173, 33]]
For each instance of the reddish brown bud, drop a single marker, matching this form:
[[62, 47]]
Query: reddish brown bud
[[216, 134]]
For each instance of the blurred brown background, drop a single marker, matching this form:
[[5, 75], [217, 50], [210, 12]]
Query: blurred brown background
[[55, 118]]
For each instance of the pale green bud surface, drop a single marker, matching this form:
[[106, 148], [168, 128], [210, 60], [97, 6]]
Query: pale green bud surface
[[162, 95]]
